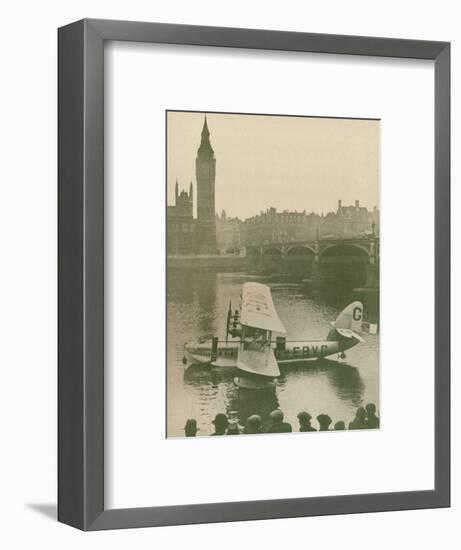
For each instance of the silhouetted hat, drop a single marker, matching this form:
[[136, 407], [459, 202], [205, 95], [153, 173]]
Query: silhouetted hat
[[233, 428], [276, 416], [254, 420], [220, 420], [190, 429], [371, 408], [323, 419], [191, 423], [304, 416]]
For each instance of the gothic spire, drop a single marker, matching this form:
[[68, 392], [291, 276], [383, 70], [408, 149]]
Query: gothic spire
[[205, 145], [205, 128]]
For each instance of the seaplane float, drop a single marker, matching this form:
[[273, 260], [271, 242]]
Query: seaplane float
[[256, 354]]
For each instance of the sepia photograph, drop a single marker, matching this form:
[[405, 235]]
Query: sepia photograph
[[272, 274]]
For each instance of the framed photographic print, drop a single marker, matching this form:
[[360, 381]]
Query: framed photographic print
[[253, 241]]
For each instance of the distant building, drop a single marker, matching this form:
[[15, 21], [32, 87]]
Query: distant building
[[186, 235], [355, 220], [272, 226], [181, 225], [228, 234]]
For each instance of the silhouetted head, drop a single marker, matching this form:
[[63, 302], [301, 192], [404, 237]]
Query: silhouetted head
[[276, 416], [304, 418], [340, 425], [254, 424], [190, 428], [233, 428], [371, 409], [361, 413], [220, 423], [324, 421]]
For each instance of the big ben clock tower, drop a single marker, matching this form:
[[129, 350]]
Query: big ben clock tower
[[205, 171]]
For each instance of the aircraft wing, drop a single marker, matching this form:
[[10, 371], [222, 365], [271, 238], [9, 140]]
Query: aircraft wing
[[258, 362], [258, 309]]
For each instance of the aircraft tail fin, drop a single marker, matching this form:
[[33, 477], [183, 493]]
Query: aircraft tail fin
[[349, 322], [350, 317]]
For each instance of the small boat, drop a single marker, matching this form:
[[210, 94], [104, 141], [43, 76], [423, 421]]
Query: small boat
[[256, 354]]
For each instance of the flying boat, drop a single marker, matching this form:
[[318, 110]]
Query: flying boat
[[258, 346]]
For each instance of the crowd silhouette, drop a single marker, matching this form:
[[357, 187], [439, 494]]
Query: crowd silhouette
[[365, 419]]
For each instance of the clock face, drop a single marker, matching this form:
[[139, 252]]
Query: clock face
[[205, 168]]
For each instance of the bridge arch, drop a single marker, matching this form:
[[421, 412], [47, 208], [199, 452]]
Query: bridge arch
[[344, 264], [271, 260], [301, 246], [299, 259], [348, 248], [252, 251], [253, 256]]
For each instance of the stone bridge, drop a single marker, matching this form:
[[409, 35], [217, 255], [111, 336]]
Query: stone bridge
[[355, 259]]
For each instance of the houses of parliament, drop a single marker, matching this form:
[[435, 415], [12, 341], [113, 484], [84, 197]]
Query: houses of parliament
[[186, 234]]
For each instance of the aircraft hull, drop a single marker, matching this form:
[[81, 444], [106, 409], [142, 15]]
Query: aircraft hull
[[291, 353]]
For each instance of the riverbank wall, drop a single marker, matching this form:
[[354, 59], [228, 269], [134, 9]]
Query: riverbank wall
[[209, 262]]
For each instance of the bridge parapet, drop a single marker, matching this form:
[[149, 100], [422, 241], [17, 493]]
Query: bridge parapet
[[367, 244], [317, 258]]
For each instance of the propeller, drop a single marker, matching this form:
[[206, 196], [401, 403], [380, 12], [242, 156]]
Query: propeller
[[229, 315]]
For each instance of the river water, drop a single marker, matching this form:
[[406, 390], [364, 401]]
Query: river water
[[197, 305]]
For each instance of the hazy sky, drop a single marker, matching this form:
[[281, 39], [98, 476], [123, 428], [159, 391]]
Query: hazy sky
[[294, 163]]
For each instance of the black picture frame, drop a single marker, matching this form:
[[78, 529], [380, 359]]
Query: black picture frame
[[81, 273]]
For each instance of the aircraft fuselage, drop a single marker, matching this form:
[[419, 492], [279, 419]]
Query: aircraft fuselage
[[225, 354]]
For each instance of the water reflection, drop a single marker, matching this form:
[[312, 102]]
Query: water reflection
[[206, 295], [344, 379], [197, 305], [243, 403]]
